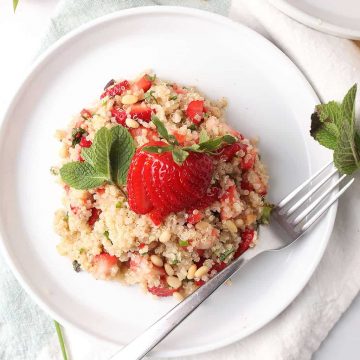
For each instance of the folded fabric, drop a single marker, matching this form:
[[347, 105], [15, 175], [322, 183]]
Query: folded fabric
[[332, 66]]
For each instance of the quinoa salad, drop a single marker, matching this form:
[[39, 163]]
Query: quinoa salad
[[158, 190]]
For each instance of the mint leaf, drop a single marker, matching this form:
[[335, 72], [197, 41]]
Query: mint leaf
[[347, 153], [121, 152], [224, 255], [81, 176], [157, 149], [266, 212], [162, 131], [179, 155], [101, 151], [326, 133], [88, 155], [217, 143]]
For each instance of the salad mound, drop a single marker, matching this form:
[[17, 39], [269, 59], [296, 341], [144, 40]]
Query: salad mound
[[158, 189]]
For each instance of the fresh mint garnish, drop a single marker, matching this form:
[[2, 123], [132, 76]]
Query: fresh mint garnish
[[107, 160], [149, 97], [179, 154], [333, 125]]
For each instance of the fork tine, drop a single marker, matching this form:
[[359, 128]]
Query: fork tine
[[314, 204], [325, 207], [287, 198], [309, 194]]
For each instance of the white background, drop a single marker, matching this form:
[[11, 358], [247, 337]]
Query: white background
[[20, 36]]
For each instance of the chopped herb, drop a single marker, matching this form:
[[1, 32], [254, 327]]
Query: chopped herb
[[76, 135], [81, 251], [206, 115], [76, 266], [66, 217], [265, 215], [192, 127], [224, 255], [175, 261], [173, 97], [149, 97], [151, 78], [106, 234], [144, 253], [183, 243], [104, 102], [118, 204], [54, 170]]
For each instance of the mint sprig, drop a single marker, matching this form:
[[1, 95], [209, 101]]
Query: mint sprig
[[180, 154], [333, 125], [107, 160]]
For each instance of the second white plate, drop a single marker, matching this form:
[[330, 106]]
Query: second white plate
[[339, 18]]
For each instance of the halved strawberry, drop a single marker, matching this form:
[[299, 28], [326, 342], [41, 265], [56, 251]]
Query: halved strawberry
[[117, 89], [144, 83], [86, 114], [194, 218], [138, 199], [195, 111], [140, 111], [105, 265], [119, 115]]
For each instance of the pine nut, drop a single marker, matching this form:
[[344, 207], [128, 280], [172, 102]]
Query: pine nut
[[203, 226], [132, 123], [165, 236], [201, 271], [173, 282], [129, 99], [239, 223], [231, 226], [178, 296], [156, 260], [191, 271], [169, 270]]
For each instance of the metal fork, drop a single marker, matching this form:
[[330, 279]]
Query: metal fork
[[295, 214]]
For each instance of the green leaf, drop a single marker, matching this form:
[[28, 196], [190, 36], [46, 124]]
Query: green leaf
[[266, 212], [76, 135], [15, 4], [162, 131], [173, 97], [157, 149], [216, 143], [183, 243], [149, 97], [101, 151], [179, 155], [88, 155], [61, 340], [192, 127], [347, 152], [121, 152], [81, 175], [224, 255], [203, 137]]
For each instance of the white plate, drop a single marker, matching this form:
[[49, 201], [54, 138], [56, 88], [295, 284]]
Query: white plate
[[268, 96], [335, 17]]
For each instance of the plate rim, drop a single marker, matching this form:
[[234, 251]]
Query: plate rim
[[309, 20], [41, 61]]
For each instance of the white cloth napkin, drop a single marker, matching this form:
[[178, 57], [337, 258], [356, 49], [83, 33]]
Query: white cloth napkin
[[332, 65]]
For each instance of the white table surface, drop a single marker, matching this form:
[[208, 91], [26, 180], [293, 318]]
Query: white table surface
[[20, 35]]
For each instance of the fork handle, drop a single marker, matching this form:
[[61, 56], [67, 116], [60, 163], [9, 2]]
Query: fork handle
[[145, 342]]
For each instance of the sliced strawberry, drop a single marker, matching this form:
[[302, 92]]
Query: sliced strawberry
[[144, 83], [180, 137], [195, 111], [94, 217], [119, 115], [228, 152], [86, 114], [219, 266], [210, 197], [151, 135], [245, 185], [85, 143], [247, 237], [199, 282], [178, 89], [117, 89], [140, 111], [105, 265], [161, 291], [194, 218]]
